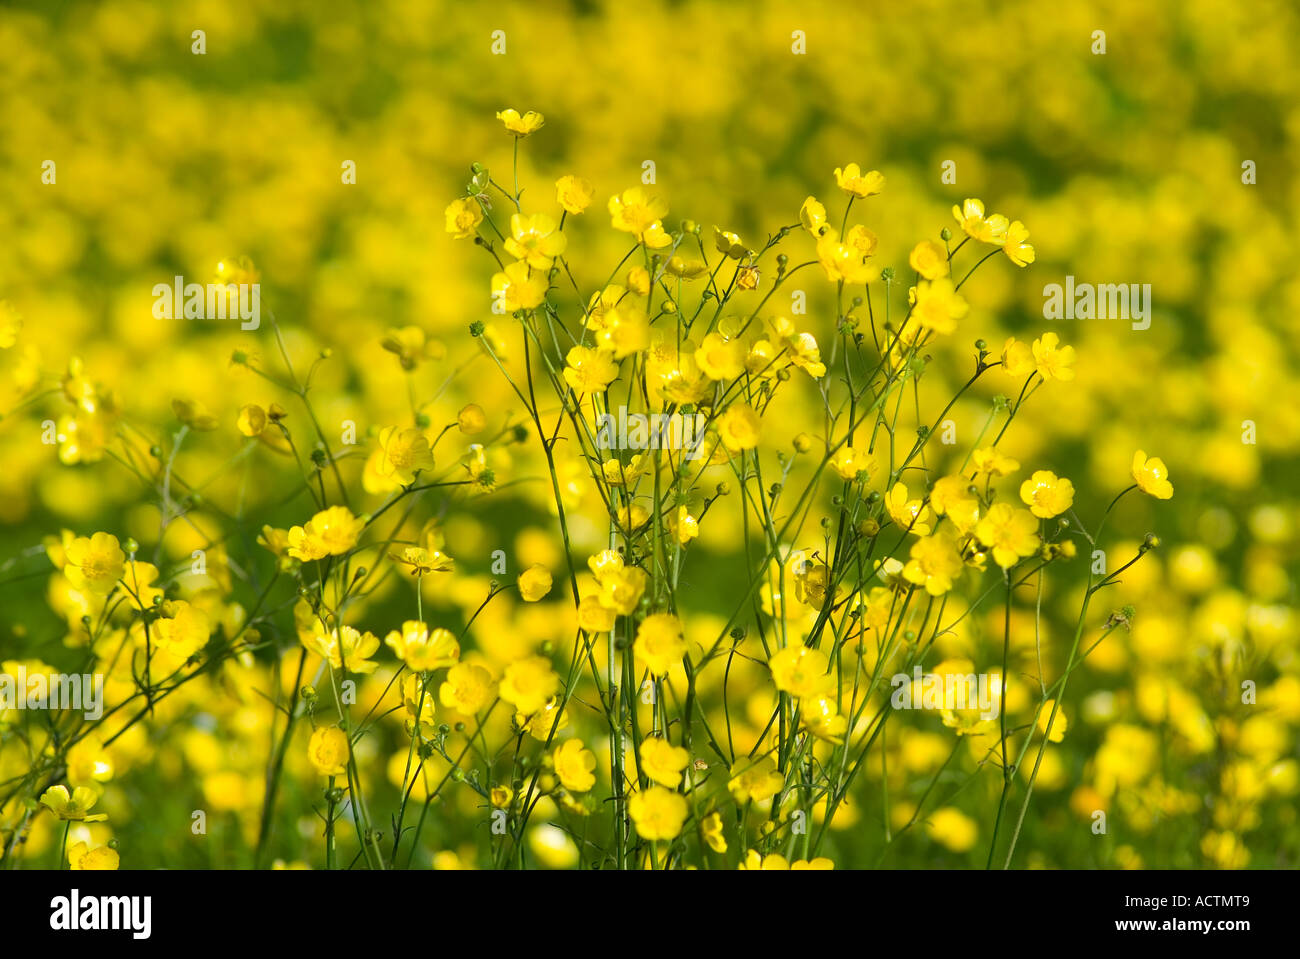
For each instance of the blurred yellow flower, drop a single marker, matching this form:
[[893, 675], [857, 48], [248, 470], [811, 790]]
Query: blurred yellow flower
[[573, 193], [521, 126], [329, 751]]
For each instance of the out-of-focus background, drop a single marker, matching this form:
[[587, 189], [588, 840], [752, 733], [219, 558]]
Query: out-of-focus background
[[1127, 167]]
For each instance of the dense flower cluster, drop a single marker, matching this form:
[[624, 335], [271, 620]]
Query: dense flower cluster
[[543, 526]]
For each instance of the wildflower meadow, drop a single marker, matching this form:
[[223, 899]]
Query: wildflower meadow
[[595, 436]]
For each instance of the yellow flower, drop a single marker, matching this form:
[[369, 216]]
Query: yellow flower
[[1047, 494], [663, 762], [328, 750], [989, 462], [853, 181], [138, 578], [729, 244], [800, 670], [633, 211], [74, 806], [754, 780], [421, 562], [658, 813], [711, 828], [471, 419], [1016, 248], [909, 514], [95, 564], [573, 193], [621, 586], [845, 261], [252, 420], [344, 648], [408, 343], [1059, 724], [519, 287], [813, 216], [929, 259], [82, 857], [1053, 363], [589, 371], [850, 463], [1152, 476], [861, 240], [739, 428], [535, 240], [935, 562], [534, 583], [594, 617], [417, 699], [521, 126], [467, 689], [684, 526], [574, 765], [1017, 358], [639, 280], [405, 452], [992, 229], [1011, 532], [624, 333], [685, 269], [803, 352], [952, 828], [331, 532], [720, 358], [195, 415], [659, 644], [463, 217], [821, 717], [182, 631], [528, 684], [421, 649], [938, 305]]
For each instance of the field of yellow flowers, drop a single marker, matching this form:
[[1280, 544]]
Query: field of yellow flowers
[[649, 436]]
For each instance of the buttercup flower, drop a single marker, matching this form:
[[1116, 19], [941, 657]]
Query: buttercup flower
[[535, 240], [1152, 476], [329, 751], [929, 259], [991, 229], [1053, 363], [574, 765], [534, 583], [659, 644], [331, 532], [658, 813], [573, 193], [467, 689], [463, 217], [854, 182], [75, 805], [1012, 533], [422, 649], [1047, 494], [663, 762], [528, 684], [634, 211], [95, 563], [521, 126]]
